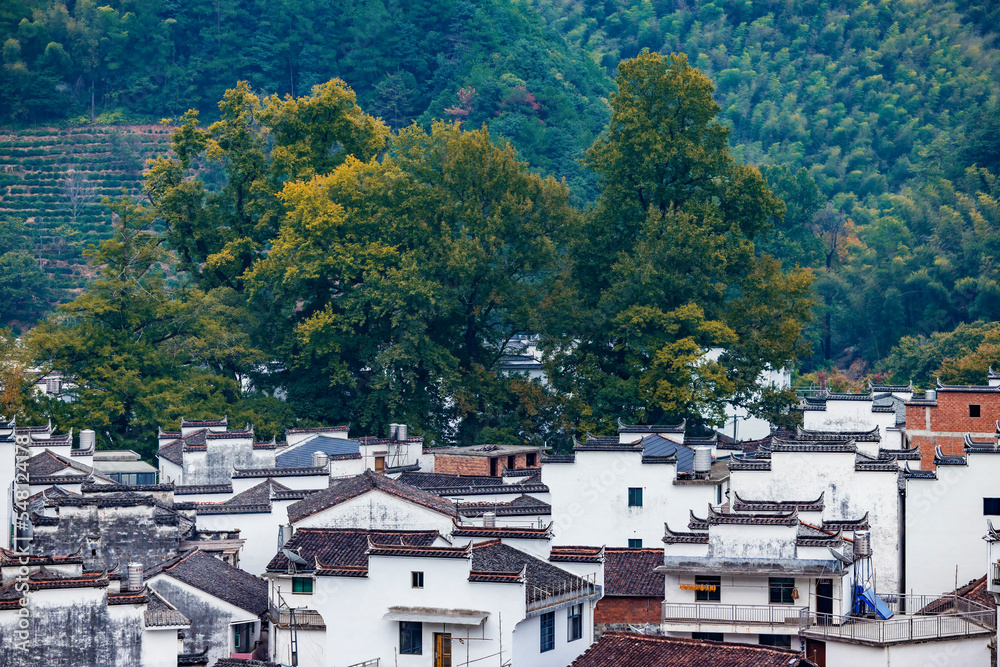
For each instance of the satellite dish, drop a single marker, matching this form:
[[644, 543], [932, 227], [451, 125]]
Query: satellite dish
[[839, 556], [294, 557]]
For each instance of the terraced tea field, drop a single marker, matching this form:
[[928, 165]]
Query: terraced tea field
[[54, 179]]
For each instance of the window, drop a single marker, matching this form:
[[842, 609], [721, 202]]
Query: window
[[511, 462], [635, 544], [634, 497], [574, 623], [548, 633], [781, 590], [781, 641], [709, 589], [302, 585], [411, 638], [242, 637], [991, 506], [532, 460], [417, 579], [718, 495], [973, 410], [710, 636]]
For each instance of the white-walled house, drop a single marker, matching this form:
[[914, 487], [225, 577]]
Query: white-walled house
[[373, 501], [258, 514], [945, 510], [225, 605], [414, 602], [854, 485], [619, 490], [882, 407]]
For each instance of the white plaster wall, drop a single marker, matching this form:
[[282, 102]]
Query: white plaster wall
[[751, 541], [259, 530], [170, 472], [376, 510], [356, 631], [527, 640], [849, 494], [972, 652], [590, 499], [347, 467], [159, 647], [945, 524], [8, 472], [842, 416], [497, 497], [203, 497]]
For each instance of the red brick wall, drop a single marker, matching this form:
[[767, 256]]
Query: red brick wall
[[628, 610], [462, 465], [950, 421]]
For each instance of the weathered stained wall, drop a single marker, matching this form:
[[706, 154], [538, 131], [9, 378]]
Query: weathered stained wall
[[109, 535], [74, 628], [210, 618], [215, 465], [378, 511]]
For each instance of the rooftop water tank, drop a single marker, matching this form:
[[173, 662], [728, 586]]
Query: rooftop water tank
[[489, 519], [862, 544], [401, 432], [702, 459], [320, 459], [135, 576], [87, 439]]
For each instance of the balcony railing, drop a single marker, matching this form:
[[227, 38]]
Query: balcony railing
[[917, 618], [732, 614]]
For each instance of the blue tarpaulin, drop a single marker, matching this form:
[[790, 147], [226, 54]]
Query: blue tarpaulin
[[876, 604]]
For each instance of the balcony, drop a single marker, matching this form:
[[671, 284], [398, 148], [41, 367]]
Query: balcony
[[711, 613], [917, 618]]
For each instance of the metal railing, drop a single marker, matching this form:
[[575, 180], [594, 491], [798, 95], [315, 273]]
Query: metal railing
[[750, 614], [543, 597], [367, 663], [904, 628]]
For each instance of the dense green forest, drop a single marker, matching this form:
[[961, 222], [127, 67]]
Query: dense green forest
[[875, 127]]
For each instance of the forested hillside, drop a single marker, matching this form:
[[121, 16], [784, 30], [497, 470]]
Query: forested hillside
[[148, 59], [885, 105]]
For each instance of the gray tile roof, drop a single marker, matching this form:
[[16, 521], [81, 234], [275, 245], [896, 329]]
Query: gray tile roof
[[361, 484], [632, 572], [218, 579], [343, 547], [543, 579]]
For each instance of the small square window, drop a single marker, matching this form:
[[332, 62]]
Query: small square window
[[635, 544], [991, 506], [974, 411], [302, 585], [708, 589], [635, 497], [548, 632], [417, 579]]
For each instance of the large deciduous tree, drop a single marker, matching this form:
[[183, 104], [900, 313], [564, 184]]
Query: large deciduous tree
[[404, 281], [667, 268]]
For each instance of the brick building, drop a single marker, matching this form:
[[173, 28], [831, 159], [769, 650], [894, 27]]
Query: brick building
[[633, 590], [942, 417], [492, 460]]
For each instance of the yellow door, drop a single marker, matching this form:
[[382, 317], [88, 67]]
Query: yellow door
[[442, 649]]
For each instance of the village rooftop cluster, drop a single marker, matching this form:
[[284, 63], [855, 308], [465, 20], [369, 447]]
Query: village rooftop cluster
[[863, 538]]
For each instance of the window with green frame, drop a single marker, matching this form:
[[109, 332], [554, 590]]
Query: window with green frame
[[302, 585]]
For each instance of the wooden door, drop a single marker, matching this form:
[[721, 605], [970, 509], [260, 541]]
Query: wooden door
[[816, 651], [442, 649], [379, 464]]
